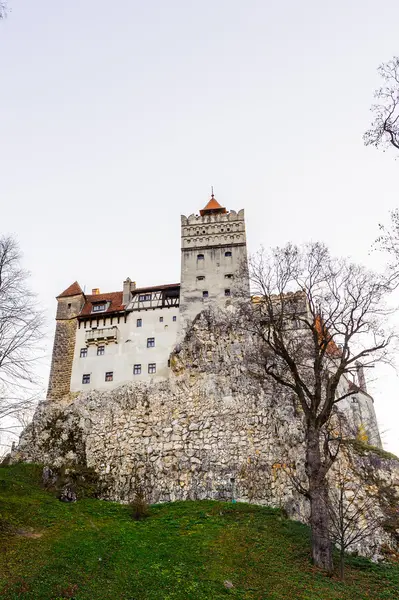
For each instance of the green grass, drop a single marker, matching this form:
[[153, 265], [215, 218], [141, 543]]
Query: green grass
[[185, 550]]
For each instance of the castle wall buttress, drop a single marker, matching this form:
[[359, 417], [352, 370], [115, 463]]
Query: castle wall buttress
[[64, 345]]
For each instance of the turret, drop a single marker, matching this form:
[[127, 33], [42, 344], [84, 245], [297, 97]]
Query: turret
[[69, 305]]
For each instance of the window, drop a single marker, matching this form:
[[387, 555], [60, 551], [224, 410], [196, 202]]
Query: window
[[200, 257], [161, 319], [205, 294], [136, 369], [227, 293], [109, 376], [174, 318], [168, 362], [98, 307], [83, 352], [228, 276], [144, 297], [152, 368], [150, 342], [139, 323], [200, 277], [100, 350], [227, 253], [69, 305], [86, 378]]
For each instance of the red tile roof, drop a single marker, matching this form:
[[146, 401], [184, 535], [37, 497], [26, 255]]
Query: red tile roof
[[73, 290], [115, 299], [213, 205]]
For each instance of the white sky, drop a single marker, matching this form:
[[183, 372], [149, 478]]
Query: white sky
[[116, 117]]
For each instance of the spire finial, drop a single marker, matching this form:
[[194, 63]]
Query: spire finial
[[212, 194]]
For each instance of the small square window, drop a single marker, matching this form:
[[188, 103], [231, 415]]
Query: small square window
[[136, 369], [144, 297], [109, 376], [152, 368], [228, 276], [227, 293], [200, 277], [174, 318], [139, 323], [100, 350], [161, 319], [205, 294], [227, 253], [86, 378], [200, 257], [150, 342], [83, 352]]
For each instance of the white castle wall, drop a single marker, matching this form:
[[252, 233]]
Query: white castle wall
[[130, 349]]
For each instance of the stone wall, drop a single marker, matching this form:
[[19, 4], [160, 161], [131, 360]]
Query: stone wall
[[64, 345]]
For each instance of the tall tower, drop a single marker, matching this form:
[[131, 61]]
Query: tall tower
[[214, 250], [69, 305]]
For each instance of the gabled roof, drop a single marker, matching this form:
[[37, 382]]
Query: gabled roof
[[115, 300], [212, 206], [73, 290]]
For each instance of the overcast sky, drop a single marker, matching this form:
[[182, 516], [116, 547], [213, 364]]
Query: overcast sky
[[117, 117]]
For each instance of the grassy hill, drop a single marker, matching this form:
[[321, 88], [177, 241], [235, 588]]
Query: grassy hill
[[186, 550]]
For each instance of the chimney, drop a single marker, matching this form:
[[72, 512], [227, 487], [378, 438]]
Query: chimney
[[127, 286], [361, 380], [95, 291]]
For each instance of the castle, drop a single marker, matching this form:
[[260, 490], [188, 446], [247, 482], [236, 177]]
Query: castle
[[105, 340], [162, 394]]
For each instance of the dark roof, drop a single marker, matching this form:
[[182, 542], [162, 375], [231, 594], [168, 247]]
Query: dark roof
[[73, 290], [114, 298]]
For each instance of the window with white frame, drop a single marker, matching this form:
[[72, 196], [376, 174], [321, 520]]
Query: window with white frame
[[152, 368], [136, 369]]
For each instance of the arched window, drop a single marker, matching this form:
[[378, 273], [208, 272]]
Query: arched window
[[200, 257], [227, 253]]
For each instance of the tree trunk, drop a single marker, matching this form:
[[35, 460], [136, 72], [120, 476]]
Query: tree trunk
[[342, 562], [318, 494]]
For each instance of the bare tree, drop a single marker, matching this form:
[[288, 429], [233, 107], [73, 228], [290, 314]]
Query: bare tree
[[21, 331], [3, 9], [313, 319], [384, 130], [353, 511]]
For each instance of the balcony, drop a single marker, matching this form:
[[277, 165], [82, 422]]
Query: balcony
[[102, 335]]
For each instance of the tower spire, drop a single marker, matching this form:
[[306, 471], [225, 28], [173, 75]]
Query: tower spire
[[212, 194]]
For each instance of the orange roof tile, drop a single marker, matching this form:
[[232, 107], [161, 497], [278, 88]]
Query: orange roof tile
[[73, 290], [213, 205]]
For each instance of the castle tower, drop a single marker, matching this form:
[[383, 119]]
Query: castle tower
[[214, 250], [70, 304]]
